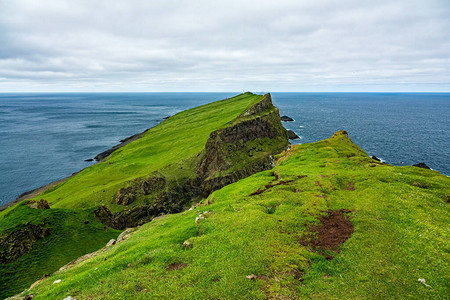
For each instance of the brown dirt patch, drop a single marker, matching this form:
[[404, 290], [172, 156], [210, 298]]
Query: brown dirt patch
[[176, 266], [334, 229], [269, 186], [302, 176], [350, 186]]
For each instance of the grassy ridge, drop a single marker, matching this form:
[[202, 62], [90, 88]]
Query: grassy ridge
[[400, 217], [174, 141]]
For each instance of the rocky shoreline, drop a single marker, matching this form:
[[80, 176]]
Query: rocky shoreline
[[99, 158]]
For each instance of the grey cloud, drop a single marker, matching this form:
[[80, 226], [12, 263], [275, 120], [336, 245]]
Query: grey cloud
[[228, 45]]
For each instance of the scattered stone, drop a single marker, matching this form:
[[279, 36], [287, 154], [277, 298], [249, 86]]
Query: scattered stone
[[57, 281], [111, 242], [124, 235], [422, 281], [251, 277], [421, 165], [376, 158], [89, 159], [41, 204], [186, 244], [292, 135], [69, 298], [286, 119], [27, 297], [165, 118]]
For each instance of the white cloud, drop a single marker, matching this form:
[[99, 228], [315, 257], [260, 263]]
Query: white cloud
[[229, 45]]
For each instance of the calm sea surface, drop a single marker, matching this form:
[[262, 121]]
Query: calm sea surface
[[45, 137]]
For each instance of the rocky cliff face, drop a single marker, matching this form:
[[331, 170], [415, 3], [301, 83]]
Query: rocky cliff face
[[243, 147]]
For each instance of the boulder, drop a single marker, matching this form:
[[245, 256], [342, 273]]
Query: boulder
[[376, 158], [286, 119], [421, 165], [41, 204], [292, 135]]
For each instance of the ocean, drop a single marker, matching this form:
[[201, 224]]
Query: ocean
[[45, 137]]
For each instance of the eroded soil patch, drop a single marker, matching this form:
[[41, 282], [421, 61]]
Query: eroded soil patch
[[176, 266], [334, 229], [270, 185]]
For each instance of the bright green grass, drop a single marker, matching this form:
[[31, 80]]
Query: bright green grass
[[400, 216], [70, 238], [174, 141]]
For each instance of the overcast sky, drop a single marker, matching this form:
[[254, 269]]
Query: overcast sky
[[196, 45]]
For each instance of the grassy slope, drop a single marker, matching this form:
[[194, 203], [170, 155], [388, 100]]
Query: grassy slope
[[70, 238], [174, 141], [400, 217]]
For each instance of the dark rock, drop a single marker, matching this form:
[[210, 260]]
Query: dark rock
[[292, 135], [105, 216], [125, 196], [165, 118], [152, 184], [286, 119], [20, 241], [421, 165], [376, 158], [41, 204], [89, 159]]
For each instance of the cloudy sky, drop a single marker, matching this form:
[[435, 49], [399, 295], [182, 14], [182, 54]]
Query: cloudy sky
[[197, 45]]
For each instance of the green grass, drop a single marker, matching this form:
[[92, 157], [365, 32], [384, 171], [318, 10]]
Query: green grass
[[70, 238], [400, 217]]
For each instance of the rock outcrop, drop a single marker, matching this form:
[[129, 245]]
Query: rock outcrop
[[20, 241], [421, 165], [292, 135], [286, 119]]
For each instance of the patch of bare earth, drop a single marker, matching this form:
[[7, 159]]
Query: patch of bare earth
[[334, 229], [176, 266]]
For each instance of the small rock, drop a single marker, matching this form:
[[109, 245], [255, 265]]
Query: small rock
[[292, 135], [111, 242], [421, 165], [69, 298], [186, 244], [422, 281], [251, 277], [286, 119], [165, 118], [27, 297], [89, 159], [376, 158], [57, 281]]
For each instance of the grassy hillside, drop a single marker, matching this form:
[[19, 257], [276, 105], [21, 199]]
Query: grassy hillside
[[70, 228], [257, 228], [173, 142]]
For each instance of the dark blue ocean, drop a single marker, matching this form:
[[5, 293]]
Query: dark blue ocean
[[45, 137]]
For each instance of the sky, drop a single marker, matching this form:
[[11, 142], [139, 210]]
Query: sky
[[199, 46]]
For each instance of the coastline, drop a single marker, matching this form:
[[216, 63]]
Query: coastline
[[99, 158]]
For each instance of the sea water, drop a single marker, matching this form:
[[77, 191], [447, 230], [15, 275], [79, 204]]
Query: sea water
[[45, 137]]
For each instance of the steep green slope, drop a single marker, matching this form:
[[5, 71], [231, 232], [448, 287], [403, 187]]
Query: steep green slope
[[157, 174], [175, 140], [256, 228]]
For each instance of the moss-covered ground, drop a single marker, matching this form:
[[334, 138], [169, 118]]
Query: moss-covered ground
[[400, 217]]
